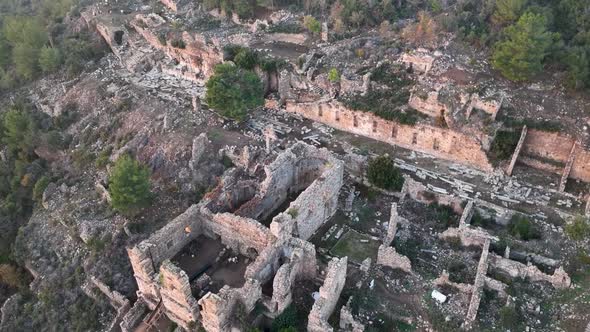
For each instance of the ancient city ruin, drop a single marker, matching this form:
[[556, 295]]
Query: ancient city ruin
[[273, 220]]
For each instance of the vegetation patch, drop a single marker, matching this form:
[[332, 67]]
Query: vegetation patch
[[129, 186], [503, 145], [387, 102], [522, 228], [356, 246], [233, 91], [382, 173]]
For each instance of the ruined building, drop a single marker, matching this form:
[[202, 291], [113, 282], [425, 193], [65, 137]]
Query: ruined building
[[243, 244]]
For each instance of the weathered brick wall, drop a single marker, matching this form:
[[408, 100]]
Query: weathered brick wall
[[554, 147], [440, 142]]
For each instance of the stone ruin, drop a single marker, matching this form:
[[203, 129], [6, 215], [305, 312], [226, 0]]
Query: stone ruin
[[328, 296], [233, 254], [386, 254]]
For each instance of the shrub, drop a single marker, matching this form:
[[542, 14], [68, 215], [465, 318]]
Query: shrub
[[458, 272], [503, 145], [178, 43], [383, 174], [578, 229], [333, 75], [103, 158], [129, 186], [445, 215], [162, 39], [479, 220], [522, 228], [510, 318], [233, 91], [288, 329], [49, 59], [246, 59], [312, 25], [287, 319], [40, 187]]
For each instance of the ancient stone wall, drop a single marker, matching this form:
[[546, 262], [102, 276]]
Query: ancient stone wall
[[228, 226], [387, 256], [514, 269], [429, 105], [440, 142], [199, 56], [162, 245], [419, 61], [329, 295], [482, 269], [347, 321], [133, 316], [218, 310], [177, 299], [550, 152]]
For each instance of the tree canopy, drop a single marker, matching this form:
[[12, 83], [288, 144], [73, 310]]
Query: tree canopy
[[233, 91], [129, 186], [525, 45]]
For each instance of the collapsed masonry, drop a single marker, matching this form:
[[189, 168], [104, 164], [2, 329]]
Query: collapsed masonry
[[387, 255], [231, 256]]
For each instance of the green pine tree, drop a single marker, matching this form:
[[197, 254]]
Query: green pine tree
[[233, 91], [520, 54], [129, 186]]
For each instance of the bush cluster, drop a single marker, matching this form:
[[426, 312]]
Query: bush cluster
[[382, 173]]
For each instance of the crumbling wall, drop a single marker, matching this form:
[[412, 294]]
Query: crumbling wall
[[228, 226], [347, 321], [480, 278], [419, 61], [550, 152], [177, 299], [318, 202], [429, 105], [162, 245], [133, 316], [283, 281], [514, 269], [329, 294], [295, 169], [199, 55], [440, 142], [218, 310], [387, 256]]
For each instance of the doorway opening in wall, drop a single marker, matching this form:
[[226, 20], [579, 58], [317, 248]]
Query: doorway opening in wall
[[374, 126], [355, 121], [435, 145], [415, 138], [320, 111], [394, 132], [337, 115]]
